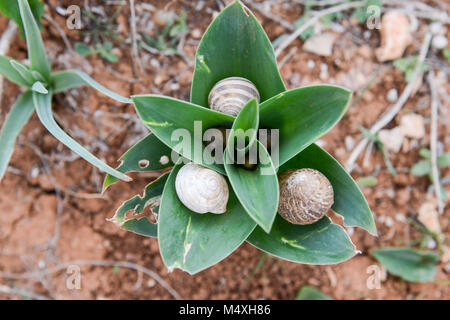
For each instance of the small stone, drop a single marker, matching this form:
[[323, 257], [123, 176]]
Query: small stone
[[349, 143], [389, 222], [431, 244], [395, 36], [392, 139], [436, 28], [196, 34], [321, 44], [412, 126], [428, 215], [400, 217], [311, 64], [439, 42], [392, 95]]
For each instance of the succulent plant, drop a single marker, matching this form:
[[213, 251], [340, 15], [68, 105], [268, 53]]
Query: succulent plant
[[235, 45]]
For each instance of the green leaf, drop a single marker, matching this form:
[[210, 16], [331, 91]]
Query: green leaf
[[444, 160], [171, 119], [369, 181], [319, 243], [43, 107], [67, 79], [149, 154], [425, 153], [39, 88], [10, 73], [36, 49], [19, 115], [235, 44], [10, 9], [311, 293], [407, 263], [23, 71], [421, 168], [83, 49], [257, 190], [246, 122], [303, 115], [138, 223], [349, 201], [192, 241]]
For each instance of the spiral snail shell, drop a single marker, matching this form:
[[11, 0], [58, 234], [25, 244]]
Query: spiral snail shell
[[201, 189], [230, 95], [305, 196]]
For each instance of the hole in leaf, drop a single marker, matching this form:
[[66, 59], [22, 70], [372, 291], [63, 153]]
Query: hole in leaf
[[164, 160], [143, 163]]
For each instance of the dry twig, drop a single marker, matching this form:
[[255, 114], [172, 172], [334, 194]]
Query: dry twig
[[317, 15], [98, 263], [434, 138]]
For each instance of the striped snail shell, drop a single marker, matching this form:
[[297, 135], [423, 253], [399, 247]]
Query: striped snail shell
[[305, 196], [201, 189], [230, 95]]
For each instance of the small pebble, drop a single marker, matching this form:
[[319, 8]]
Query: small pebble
[[34, 172], [439, 42], [431, 244], [436, 27], [392, 95], [349, 143], [311, 64], [400, 217], [389, 222], [41, 264]]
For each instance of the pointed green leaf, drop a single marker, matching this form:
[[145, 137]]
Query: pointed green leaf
[[19, 115], [39, 88], [311, 293], [149, 154], [23, 70], [10, 73], [319, 243], [10, 9], [137, 223], [247, 122], [36, 49], [178, 123], [303, 115], [235, 44], [67, 79], [43, 107], [257, 190], [349, 201], [192, 241], [421, 168], [407, 263]]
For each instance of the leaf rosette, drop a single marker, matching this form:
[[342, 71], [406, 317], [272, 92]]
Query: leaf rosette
[[235, 45]]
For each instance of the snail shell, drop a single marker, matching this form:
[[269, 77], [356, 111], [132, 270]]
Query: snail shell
[[201, 189], [305, 196], [230, 95]]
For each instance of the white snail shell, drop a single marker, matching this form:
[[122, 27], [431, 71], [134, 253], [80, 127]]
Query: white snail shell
[[305, 196], [230, 95], [201, 189]]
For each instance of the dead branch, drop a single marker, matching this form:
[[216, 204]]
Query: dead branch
[[434, 139]]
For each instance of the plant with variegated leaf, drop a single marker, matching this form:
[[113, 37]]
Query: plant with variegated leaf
[[236, 48], [41, 85]]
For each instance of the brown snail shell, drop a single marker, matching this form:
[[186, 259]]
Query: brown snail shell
[[201, 189], [230, 95], [305, 196]]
